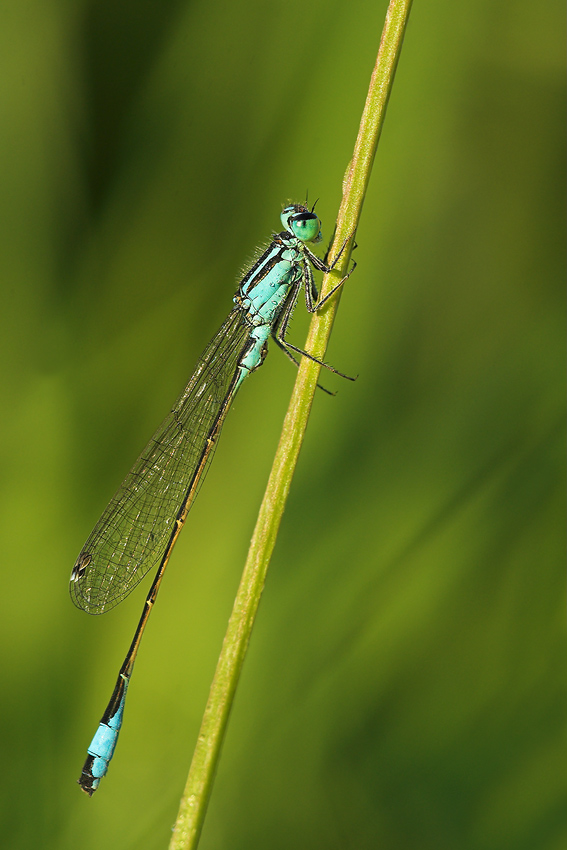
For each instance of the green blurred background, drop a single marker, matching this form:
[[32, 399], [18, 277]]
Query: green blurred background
[[405, 686]]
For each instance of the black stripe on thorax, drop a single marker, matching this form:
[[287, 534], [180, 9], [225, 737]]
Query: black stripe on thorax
[[265, 263]]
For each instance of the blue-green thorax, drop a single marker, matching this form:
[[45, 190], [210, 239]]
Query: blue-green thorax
[[273, 279], [263, 290]]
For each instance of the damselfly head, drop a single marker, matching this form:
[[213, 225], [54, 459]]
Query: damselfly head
[[303, 223]]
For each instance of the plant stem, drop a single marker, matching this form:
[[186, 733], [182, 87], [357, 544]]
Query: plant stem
[[201, 775]]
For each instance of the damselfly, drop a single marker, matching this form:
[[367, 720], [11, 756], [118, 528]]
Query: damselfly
[[138, 529]]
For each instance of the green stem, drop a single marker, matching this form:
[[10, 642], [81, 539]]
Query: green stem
[[201, 774]]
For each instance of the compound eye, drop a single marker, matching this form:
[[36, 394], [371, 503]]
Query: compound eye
[[306, 226], [287, 213]]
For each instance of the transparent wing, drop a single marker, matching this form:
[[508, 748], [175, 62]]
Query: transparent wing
[[132, 534]]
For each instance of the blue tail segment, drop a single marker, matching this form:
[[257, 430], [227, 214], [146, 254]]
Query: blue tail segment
[[102, 746]]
